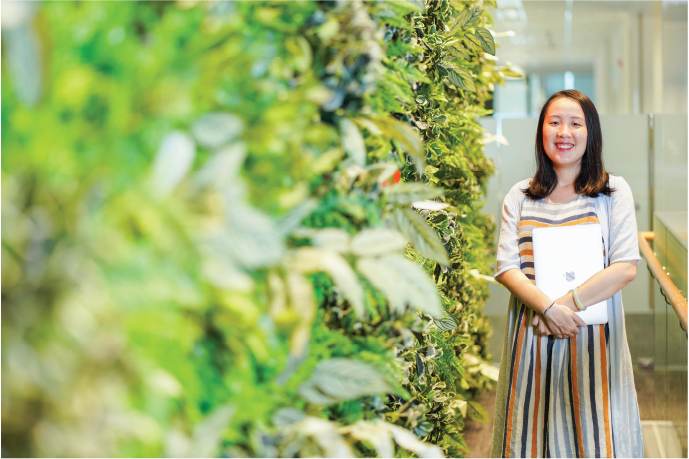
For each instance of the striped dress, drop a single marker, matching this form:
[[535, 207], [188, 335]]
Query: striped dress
[[554, 396]]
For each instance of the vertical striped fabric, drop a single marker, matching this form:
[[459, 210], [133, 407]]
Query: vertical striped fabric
[[558, 400]]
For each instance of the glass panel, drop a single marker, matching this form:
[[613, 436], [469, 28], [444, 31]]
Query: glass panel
[[670, 144]]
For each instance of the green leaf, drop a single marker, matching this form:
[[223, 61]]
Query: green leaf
[[408, 6], [403, 282], [489, 371], [208, 435], [456, 51], [222, 169], [485, 38], [377, 241], [375, 434], [332, 238], [456, 79], [309, 392], [445, 322], [324, 433], [172, 162], [294, 217], [461, 78], [347, 379], [472, 42], [385, 280], [345, 278], [422, 237], [477, 412], [512, 73], [250, 238], [430, 205], [467, 18], [416, 283], [313, 259], [287, 416], [353, 141], [458, 440], [215, 130], [406, 135], [405, 193], [411, 442]]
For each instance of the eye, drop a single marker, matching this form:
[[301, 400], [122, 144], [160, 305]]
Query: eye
[[552, 123]]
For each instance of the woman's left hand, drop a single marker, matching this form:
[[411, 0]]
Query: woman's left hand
[[540, 325]]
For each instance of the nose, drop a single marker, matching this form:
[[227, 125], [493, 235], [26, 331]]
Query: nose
[[563, 132]]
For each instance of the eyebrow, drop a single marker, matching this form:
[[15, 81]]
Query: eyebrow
[[558, 116]]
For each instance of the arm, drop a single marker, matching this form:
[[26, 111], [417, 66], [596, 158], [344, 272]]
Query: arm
[[600, 287], [603, 285], [560, 318]]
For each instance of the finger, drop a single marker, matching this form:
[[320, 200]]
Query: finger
[[579, 320], [535, 321], [545, 330]]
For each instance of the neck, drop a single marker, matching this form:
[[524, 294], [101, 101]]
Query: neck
[[567, 175]]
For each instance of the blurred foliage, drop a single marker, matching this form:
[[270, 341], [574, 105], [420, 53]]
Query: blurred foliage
[[244, 228]]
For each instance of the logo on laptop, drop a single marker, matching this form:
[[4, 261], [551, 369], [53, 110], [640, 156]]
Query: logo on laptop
[[569, 276]]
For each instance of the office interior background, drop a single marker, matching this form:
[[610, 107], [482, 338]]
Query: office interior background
[[630, 59]]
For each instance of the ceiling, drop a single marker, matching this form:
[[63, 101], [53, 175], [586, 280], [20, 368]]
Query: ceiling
[[560, 35]]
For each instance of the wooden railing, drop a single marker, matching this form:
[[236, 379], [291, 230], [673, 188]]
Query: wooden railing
[[669, 289]]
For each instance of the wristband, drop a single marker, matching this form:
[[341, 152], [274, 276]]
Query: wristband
[[577, 302], [546, 309]]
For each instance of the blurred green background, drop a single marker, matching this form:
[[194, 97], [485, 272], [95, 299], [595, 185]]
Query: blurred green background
[[244, 228]]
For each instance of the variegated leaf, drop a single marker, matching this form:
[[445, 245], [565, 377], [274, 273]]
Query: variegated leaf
[[422, 237], [375, 434], [404, 193], [332, 238], [418, 286], [377, 241], [353, 141], [172, 162], [347, 379], [411, 442], [215, 130]]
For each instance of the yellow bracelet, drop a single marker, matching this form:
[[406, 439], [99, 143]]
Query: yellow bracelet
[[577, 302]]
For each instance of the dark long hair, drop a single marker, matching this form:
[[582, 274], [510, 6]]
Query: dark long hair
[[593, 178]]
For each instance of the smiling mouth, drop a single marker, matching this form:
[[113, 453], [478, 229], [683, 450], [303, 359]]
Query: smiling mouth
[[564, 146]]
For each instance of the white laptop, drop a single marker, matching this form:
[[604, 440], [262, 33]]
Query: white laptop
[[567, 256]]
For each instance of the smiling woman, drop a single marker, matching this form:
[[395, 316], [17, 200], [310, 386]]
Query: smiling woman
[[566, 389], [569, 118]]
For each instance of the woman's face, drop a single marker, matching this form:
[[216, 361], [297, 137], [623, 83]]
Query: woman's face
[[564, 132]]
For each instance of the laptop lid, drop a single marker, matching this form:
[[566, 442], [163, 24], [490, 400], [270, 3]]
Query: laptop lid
[[567, 256]]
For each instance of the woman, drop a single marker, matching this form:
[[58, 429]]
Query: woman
[[567, 389]]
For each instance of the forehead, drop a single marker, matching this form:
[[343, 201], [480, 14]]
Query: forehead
[[564, 106]]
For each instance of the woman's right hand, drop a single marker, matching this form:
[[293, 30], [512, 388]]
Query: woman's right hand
[[563, 322]]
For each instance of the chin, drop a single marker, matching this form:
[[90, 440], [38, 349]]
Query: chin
[[564, 160]]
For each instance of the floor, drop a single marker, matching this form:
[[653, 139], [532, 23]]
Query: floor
[[477, 435]]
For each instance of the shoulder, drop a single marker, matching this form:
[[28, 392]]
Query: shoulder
[[515, 197], [621, 187]]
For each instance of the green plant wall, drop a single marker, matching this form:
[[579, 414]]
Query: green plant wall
[[244, 228]]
